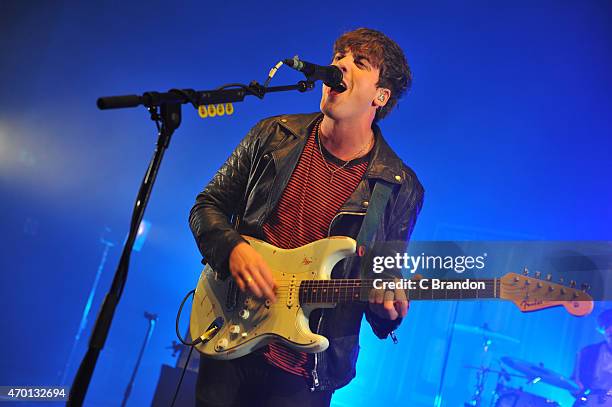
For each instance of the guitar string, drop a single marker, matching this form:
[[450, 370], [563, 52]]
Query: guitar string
[[282, 300], [335, 284], [298, 287], [352, 283], [346, 297], [323, 291], [284, 289], [285, 293]]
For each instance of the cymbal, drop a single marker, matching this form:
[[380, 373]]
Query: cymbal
[[484, 330], [536, 373]]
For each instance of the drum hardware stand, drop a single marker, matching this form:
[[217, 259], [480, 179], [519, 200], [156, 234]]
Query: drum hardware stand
[[482, 372], [480, 380], [502, 377]]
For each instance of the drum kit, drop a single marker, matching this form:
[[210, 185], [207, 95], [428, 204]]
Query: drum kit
[[531, 373]]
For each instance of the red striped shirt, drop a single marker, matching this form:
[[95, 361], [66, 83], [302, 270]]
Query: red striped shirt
[[303, 214]]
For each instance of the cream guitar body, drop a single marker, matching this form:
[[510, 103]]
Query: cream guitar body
[[249, 323]]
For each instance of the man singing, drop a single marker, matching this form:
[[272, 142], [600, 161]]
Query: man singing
[[295, 179]]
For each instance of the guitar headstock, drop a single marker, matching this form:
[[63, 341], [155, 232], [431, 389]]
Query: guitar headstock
[[533, 294]]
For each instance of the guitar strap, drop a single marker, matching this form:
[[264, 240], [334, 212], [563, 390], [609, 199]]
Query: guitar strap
[[365, 237], [374, 215]]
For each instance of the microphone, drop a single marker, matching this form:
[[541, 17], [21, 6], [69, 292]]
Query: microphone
[[331, 75]]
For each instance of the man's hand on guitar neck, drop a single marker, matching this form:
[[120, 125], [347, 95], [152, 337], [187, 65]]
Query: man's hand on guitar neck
[[251, 272], [388, 304]]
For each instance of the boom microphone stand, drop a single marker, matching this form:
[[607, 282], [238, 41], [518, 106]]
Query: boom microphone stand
[[165, 110]]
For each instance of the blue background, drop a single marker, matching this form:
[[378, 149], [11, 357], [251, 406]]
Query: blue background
[[507, 125]]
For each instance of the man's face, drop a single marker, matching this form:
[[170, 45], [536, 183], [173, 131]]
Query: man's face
[[360, 98]]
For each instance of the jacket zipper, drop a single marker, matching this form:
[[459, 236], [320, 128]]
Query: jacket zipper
[[315, 374]]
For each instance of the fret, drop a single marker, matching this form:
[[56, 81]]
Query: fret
[[324, 296]]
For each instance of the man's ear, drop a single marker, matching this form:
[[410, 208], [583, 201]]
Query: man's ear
[[382, 97]]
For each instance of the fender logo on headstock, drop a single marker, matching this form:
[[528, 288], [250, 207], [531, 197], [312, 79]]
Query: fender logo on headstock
[[533, 303]]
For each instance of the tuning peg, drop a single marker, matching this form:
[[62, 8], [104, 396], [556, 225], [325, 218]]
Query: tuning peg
[[537, 274], [561, 280], [585, 287], [525, 271], [548, 277], [572, 284]]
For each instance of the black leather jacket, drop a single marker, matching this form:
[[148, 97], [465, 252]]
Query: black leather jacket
[[243, 193]]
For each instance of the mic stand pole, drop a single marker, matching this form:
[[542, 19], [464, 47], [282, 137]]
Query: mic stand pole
[[152, 321], [167, 119], [107, 245]]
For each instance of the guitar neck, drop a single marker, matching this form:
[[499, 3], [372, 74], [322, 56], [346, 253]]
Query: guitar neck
[[350, 290]]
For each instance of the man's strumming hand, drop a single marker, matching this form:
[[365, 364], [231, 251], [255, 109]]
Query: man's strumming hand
[[251, 272]]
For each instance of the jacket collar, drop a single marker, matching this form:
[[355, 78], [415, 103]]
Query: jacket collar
[[384, 164]]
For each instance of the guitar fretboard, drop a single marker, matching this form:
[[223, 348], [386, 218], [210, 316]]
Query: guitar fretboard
[[349, 290]]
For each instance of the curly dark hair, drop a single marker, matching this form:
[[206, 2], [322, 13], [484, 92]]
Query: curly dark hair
[[384, 54]]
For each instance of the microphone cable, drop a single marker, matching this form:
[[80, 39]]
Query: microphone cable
[[272, 73]]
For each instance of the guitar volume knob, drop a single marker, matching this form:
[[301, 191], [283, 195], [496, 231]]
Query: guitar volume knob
[[244, 313], [234, 329], [222, 344]]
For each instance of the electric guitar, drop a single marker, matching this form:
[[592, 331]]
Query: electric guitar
[[238, 323]]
